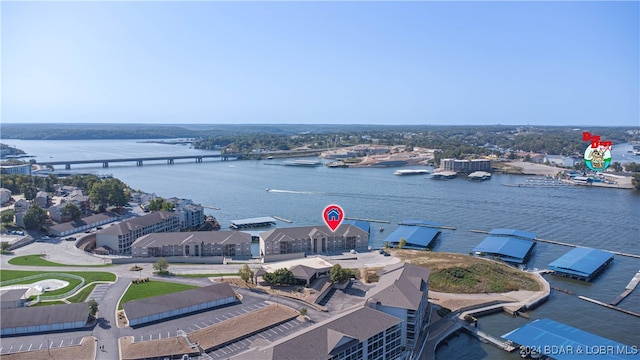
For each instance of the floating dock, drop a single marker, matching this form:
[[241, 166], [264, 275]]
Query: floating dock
[[417, 237], [567, 244], [560, 341], [428, 225], [282, 219], [265, 221], [628, 312], [628, 289], [510, 245], [581, 263], [369, 220]]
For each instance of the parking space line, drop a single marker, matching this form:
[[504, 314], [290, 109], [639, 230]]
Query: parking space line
[[223, 351], [20, 348], [262, 336], [273, 331], [40, 346], [197, 326], [61, 341], [30, 345], [50, 344]]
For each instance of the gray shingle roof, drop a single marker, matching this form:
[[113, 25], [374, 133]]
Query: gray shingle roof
[[40, 315], [144, 221], [319, 341], [304, 232], [207, 237], [158, 304], [400, 286]]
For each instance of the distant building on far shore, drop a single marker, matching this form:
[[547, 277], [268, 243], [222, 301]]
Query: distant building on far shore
[[466, 166]]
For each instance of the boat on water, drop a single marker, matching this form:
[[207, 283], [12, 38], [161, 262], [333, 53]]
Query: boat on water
[[479, 176], [411, 172]]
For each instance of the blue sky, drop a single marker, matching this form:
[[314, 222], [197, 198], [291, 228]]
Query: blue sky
[[542, 63]]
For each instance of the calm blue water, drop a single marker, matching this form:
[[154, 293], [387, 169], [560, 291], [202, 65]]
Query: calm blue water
[[602, 218]]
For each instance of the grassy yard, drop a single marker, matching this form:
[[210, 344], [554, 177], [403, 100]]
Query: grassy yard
[[83, 294], [89, 276], [37, 260], [152, 288], [458, 273], [47, 303]]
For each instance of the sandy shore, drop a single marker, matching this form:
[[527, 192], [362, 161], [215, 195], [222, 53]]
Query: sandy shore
[[527, 168]]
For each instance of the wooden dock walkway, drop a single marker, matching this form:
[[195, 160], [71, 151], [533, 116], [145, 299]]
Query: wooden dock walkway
[[567, 244], [486, 338], [429, 226], [282, 219], [628, 312], [369, 220], [628, 289]]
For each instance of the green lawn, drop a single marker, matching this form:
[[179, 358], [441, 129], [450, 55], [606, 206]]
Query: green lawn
[[37, 260], [152, 288], [89, 276], [83, 294]]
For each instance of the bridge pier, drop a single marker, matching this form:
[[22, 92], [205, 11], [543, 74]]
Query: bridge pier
[[170, 161], [198, 159], [138, 162], [67, 166], [105, 164]]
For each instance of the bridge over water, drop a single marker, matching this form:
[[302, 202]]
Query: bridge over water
[[139, 161]]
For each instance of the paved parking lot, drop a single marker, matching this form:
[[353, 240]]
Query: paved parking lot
[[32, 343], [98, 292], [270, 335]]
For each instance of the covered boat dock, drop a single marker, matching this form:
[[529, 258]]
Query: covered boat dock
[[510, 245], [581, 263], [264, 221], [559, 341], [419, 234]]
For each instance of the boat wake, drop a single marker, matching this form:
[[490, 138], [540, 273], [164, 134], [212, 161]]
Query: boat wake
[[294, 192]]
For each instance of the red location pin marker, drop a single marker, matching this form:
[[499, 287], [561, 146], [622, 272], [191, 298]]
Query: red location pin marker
[[333, 216]]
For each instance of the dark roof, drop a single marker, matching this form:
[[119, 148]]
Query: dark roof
[[303, 272], [12, 294], [509, 248], [158, 304], [39, 315], [548, 335], [138, 222], [207, 237], [325, 339], [401, 286], [581, 261], [89, 220], [415, 235], [305, 232]]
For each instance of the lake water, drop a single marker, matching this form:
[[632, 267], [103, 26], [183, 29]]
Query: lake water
[[602, 218]]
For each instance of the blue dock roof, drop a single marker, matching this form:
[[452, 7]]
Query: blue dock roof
[[513, 232], [581, 261], [418, 237], [562, 342], [509, 249]]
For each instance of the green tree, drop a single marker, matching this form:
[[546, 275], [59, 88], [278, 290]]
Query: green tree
[[4, 246], [35, 217], [7, 216], [29, 191], [635, 181], [632, 167], [616, 166], [303, 311], [118, 192], [161, 266], [245, 273], [339, 274], [72, 211], [93, 307], [402, 243], [99, 195], [279, 277]]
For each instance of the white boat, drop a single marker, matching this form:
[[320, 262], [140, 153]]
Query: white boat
[[411, 172], [479, 175]]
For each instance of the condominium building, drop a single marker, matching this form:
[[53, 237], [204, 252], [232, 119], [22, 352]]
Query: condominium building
[[234, 244], [119, 237], [294, 242], [465, 165], [402, 291]]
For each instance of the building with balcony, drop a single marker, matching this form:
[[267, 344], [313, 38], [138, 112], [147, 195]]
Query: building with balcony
[[119, 237]]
